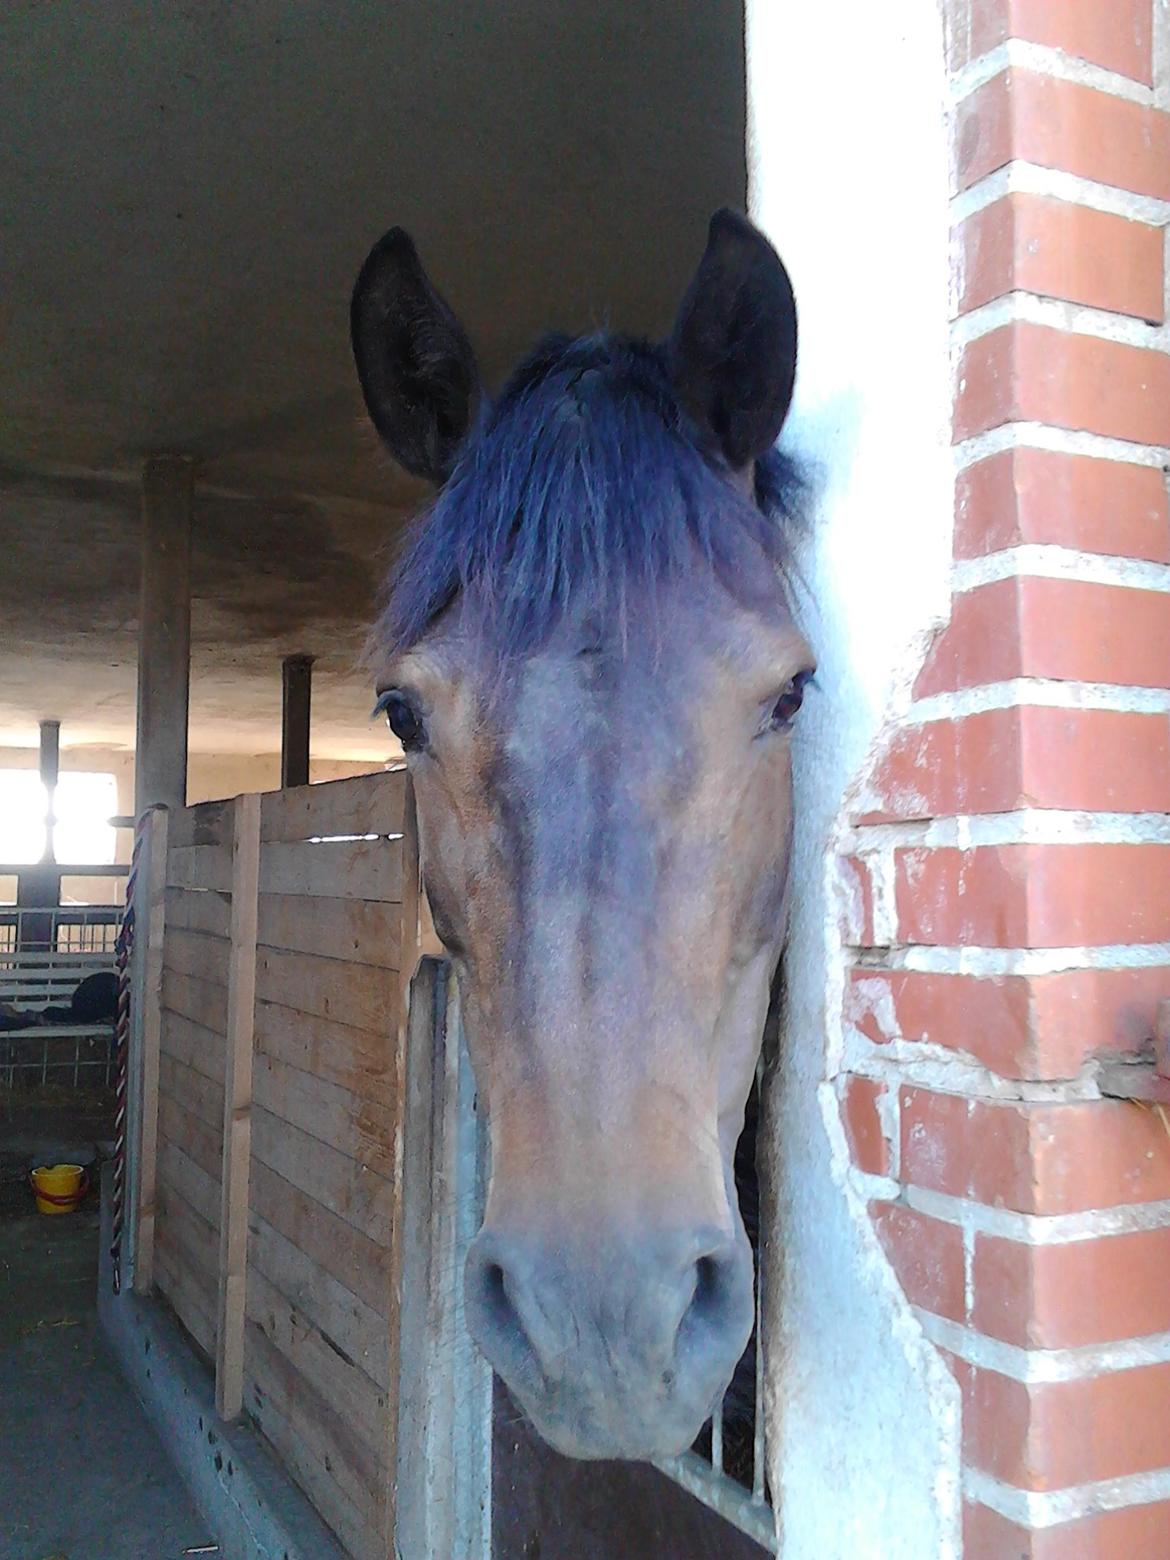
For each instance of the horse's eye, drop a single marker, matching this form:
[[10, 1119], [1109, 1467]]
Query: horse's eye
[[785, 709], [403, 719]]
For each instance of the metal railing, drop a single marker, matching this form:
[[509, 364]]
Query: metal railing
[[737, 1490]]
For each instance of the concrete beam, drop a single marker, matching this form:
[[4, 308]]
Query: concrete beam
[[164, 633], [296, 698]]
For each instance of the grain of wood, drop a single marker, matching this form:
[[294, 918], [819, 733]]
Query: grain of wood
[[190, 1043], [198, 1141], [364, 804], [360, 1128], [198, 954], [151, 915], [343, 869], [201, 1095], [353, 994], [360, 1060], [198, 910], [359, 1263], [237, 1110], [361, 931], [199, 866], [201, 1001], [344, 1186], [356, 1328], [204, 823]]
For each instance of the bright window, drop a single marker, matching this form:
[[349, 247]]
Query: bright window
[[82, 835]]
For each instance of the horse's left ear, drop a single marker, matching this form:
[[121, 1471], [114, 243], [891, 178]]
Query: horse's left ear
[[415, 363], [732, 353]]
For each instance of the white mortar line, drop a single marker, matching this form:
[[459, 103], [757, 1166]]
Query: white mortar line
[[1043, 1365], [1027, 826], [1045, 560], [1045, 61], [1014, 961], [1075, 319], [925, 1065], [1027, 178], [1039, 1229], [874, 1188], [1048, 1508], [1059, 441], [1043, 692]]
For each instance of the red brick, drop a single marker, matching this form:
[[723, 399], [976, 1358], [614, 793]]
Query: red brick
[[1022, 115], [863, 1125], [1033, 1157], [1020, 1026], [1082, 1292], [1024, 372], [858, 902], [1027, 756], [1029, 626], [1057, 249], [1028, 495], [927, 1256], [1033, 896], [1132, 1533], [1048, 1435], [1115, 34]]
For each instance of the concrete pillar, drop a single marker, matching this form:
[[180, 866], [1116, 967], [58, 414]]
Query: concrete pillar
[[164, 633], [50, 766], [297, 688]]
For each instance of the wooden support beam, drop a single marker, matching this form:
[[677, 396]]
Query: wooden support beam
[[50, 767], [164, 633], [296, 697], [237, 1109], [150, 916]]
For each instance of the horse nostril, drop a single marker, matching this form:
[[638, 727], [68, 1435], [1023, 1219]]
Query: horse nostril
[[494, 1290], [721, 1303]]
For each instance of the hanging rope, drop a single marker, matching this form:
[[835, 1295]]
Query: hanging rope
[[123, 956]]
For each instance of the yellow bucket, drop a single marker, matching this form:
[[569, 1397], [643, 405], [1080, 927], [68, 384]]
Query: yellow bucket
[[58, 1188]]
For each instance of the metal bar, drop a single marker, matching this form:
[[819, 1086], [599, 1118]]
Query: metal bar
[[717, 1438], [722, 1495]]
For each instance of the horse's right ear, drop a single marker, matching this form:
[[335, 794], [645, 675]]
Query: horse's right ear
[[414, 360]]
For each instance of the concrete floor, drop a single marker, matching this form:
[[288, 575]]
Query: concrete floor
[[83, 1476]]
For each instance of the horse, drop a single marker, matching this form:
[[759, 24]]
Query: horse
[[587, 653]]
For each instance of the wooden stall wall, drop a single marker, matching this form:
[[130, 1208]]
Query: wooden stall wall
[[192, 1042], [291, 932]]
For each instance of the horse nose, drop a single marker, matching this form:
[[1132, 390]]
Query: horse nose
[[611, 1348]]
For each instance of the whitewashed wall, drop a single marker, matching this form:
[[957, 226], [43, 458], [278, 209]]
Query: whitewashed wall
[[849, 176]]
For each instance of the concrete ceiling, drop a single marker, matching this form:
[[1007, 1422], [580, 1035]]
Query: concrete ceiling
[[186, 192]]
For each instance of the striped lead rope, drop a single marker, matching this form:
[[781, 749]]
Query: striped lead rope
[[123, 955]]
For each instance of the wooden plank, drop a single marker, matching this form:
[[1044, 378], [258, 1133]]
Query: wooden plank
[[188, 1299], [196, 1047], [197, 1140], [205, 823], [363, 804], [202, 1001], [151, 931], [237, 1110], [360, 1539], [354, 994], [345, 1319], [199, 866], [340, 1184], [324, 1366], [361, 1128], [202, 1096], [342, 869], [332, 1442], [362, 931], [356, 1261], [185, 1227], [199, 954], [198, 910], [406, 1031], [359, 1060], [193, 1184]]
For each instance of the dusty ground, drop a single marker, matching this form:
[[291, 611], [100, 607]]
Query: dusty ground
[[82, 1474]]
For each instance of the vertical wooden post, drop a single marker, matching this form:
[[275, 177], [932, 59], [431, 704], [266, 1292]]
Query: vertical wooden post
[[237, 1110], [151, 911], [296, 675], [164, 633]]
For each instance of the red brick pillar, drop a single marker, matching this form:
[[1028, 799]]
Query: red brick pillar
[[1006, 873]]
